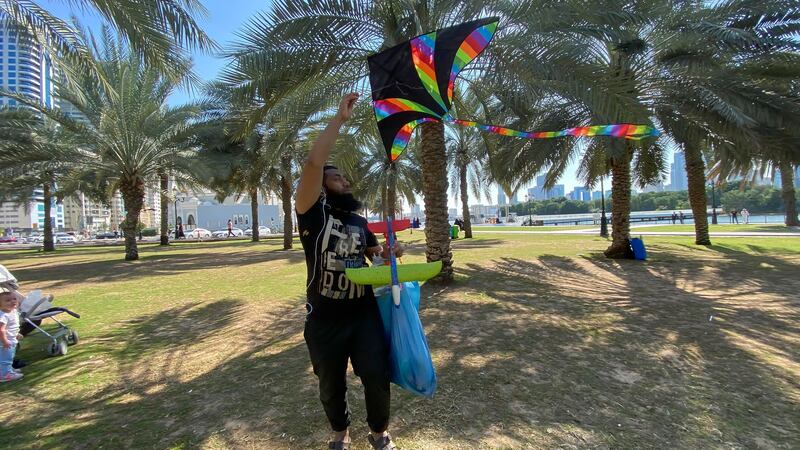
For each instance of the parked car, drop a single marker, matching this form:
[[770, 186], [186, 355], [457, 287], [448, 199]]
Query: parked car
[[262, 231], [7, 239], [35, 238], [198, 233], [105, 235], [64, 238], [224, 233]]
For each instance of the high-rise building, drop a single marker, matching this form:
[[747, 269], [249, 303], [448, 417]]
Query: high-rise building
[[678, 178], [28, 71], [501, 197], [150, 216], [24, 67], [540, 193], [581, 194], [777, 180], [30, 215], [514, 199]]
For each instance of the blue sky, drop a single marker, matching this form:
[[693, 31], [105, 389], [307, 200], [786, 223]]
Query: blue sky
[[224, 20]]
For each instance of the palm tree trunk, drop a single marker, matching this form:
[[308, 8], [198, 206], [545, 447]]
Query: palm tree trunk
[[788, 194], [254, 212], [286, 199], [462, 179], [696, 176], [620, 205], [434, 189], [49, 245], [164, 209], [133, 196]]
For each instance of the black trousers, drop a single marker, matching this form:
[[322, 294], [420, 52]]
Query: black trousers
[[336, 333]]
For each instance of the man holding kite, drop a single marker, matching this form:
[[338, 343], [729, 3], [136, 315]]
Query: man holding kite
[[343, 322]]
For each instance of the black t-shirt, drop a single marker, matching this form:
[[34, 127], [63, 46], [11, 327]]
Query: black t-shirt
[[334, 240]]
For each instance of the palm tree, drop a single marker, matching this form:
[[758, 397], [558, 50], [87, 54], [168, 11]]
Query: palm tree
[[468, 154], [35, 154], [572, 66], [382, 185], [319, 47], [772, 150], [652, 61], [126, 132], [158, 30], [722, 95], [788, 194]]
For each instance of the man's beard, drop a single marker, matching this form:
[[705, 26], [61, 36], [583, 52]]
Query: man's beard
[[345, 202]]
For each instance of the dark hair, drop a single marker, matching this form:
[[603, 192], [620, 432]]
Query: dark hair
[[325, 168]]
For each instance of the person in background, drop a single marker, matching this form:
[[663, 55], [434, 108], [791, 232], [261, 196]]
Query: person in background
[[746, 215]]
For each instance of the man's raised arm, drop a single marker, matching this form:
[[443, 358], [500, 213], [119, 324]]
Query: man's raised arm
[[311, 177]]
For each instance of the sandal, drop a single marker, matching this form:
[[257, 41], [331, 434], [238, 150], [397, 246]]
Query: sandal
[[339, 445], [382, 443]]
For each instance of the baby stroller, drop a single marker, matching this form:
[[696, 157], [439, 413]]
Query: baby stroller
[[34, 309]]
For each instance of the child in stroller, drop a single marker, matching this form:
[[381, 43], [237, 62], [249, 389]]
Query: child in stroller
[[33, 309]]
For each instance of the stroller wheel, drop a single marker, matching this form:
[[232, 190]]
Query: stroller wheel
[[72, 337], [57, 348]]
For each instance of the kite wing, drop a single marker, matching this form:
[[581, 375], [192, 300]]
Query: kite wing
[[412, 82]]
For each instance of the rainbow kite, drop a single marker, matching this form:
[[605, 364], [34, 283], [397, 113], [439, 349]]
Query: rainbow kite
[[408, 82]]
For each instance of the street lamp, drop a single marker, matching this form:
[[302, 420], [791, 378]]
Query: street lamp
[[176, 199], [713, 206], [603, 220]]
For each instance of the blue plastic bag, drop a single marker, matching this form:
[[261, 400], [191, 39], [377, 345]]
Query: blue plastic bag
[[639, 252], [409, 357]]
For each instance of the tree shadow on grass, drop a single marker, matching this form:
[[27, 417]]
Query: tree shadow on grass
[[153, 263], [166, 396], [545, 353], [599, 354]]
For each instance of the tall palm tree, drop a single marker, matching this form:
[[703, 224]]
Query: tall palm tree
[[321, 47], [126, 131], [652, 60], [35, 154], [788, 194], [572, 66], [160, 31], [770, 152], [468, 152], [723, 94], [382, 185]]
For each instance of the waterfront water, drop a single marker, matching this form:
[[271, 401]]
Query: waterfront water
[[664, 217]]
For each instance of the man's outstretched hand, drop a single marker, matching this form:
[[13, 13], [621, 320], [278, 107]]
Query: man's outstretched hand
[[346, 107]]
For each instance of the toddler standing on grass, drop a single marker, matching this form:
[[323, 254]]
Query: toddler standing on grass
[[9, 335]]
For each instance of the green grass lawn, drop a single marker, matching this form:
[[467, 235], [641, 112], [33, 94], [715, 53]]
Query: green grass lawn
[[724, 228], [540, 343]]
